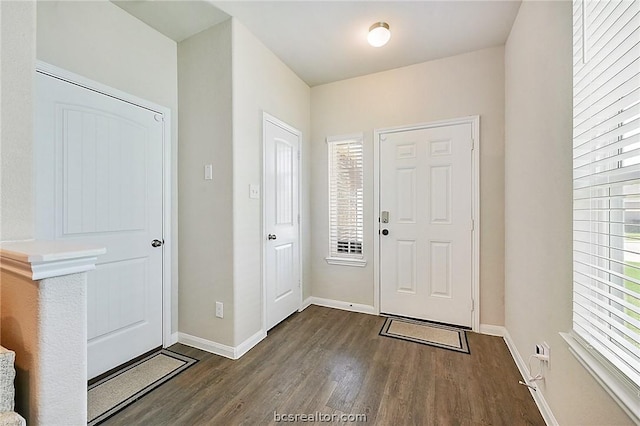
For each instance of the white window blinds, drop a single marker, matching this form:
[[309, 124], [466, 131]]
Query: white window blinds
[[346, 202], [606, 182]]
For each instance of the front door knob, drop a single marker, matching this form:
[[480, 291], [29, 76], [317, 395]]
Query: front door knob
[[385, 232], [272, 236]]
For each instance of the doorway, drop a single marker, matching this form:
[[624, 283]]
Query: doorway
[[100, 179], [281, 216], [427, 238]]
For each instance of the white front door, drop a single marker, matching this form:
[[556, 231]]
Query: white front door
[[281, 208], [426, 245], [98, 181]]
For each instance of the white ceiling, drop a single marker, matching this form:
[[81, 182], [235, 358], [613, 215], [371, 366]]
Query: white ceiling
[[325, 41]]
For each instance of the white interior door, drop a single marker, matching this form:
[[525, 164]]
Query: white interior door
[[281, 208], [426, 195], [98, 179]]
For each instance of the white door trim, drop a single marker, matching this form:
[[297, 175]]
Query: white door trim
[[62, 74], [474, 120], [266, 117]]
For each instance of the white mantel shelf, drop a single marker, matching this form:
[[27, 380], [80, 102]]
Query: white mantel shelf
[[37, 260]]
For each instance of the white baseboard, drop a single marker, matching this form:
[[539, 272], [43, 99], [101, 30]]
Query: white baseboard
[[305, 304], [220, 349], [338, 304], [538, 396], [492, 330], [206, 345], [246, 346]]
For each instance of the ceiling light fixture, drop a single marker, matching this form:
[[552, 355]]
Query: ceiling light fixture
[[379, 34]]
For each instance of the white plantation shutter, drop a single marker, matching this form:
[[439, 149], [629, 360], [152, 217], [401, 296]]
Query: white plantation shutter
[[606, 182], [346, 201]]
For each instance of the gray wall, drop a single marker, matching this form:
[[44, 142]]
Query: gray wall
[[538, 205], [453, 87], [206, 206], [17, 62]]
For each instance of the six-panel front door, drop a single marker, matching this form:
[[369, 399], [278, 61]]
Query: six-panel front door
[[98, 181], [426, 243], [281, 200]]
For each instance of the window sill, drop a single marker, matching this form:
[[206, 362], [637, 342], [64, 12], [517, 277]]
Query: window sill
[[342, 261], [618, 388]]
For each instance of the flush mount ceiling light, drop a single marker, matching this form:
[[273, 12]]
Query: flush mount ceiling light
[[379, 34]]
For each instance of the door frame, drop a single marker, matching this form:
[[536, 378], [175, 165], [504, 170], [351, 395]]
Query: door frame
[[268, 118], [474, 121], [165, 113]]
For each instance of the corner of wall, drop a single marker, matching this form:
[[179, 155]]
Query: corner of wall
[[206, 206], [277, 90]]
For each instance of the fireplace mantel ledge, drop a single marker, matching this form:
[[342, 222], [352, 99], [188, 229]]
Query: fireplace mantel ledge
[[38, 259]]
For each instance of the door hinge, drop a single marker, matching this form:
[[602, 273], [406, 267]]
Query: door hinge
[[473, 144], [473, 224], [473, 305]]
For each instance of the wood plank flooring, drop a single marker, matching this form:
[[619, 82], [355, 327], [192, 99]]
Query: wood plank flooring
[[334, 362]]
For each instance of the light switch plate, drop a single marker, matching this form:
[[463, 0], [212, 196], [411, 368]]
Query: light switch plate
[[254, 191], [208, 172]]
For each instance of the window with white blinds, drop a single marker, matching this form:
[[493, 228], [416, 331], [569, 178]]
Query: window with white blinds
[[346, 198], [606, 183]]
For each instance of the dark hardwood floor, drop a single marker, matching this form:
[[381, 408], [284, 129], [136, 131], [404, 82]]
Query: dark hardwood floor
[[333, 362]]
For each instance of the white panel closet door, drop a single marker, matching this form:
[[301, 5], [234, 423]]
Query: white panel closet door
[[282, 247], [426, 257], [98, 181]]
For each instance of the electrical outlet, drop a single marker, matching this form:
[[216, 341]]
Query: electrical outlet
[[539, 349], [547, 352], [542, 352], [219, 310]]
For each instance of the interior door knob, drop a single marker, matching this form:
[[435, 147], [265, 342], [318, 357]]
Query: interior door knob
[[156, 243], [385, 232], [271, 236]]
